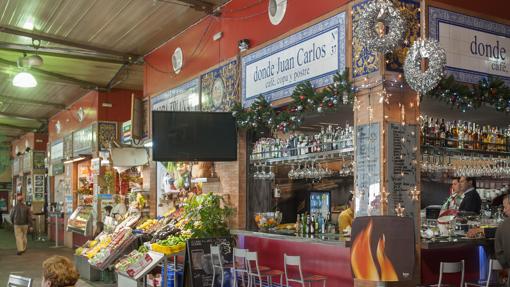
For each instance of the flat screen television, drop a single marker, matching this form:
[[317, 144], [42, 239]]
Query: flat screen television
[[193, 136]]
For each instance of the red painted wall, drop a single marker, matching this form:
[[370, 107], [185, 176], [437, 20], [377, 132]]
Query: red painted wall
[[36, 141], [69, 119], [236, 23], [121, 105]]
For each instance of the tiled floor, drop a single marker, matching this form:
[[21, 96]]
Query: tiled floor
[[29, 264]]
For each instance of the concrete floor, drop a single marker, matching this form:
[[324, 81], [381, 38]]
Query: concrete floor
[[30, 263]]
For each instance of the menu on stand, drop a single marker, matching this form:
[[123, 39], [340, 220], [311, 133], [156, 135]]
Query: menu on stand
[[368, 164], [198, 258]]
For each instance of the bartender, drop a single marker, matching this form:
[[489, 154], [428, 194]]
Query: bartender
[[471, 201], [346, 217], [451, 206]]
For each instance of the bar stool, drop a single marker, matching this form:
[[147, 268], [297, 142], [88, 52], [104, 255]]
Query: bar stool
[[295, 262], [450, 268], [254, 271], [240, 265], [493, 266], [217, 263]]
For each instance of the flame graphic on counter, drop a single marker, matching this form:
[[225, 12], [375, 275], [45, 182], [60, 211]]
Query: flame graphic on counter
[[362, 260], [387, 271]]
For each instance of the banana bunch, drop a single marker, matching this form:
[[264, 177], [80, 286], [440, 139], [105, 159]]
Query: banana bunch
[[147, 225]]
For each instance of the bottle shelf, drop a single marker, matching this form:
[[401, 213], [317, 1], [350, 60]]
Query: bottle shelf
[[442, 150], [330, 155]]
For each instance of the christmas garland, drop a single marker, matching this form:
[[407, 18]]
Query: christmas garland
[[491, 90], [260, 116]]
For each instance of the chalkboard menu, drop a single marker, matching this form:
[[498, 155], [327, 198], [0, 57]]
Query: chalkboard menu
[[199, 261], [401, 168], [83, 141], [368, 175]]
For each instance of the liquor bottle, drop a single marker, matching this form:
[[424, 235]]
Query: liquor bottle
[[442, 133], [304, 220], [322, 223], [485, 138], [454, 134], [309, 224], [424, 130], [468, 133], [460, 133], [298, 224], [437, 132], [475, 137], [316, 225]]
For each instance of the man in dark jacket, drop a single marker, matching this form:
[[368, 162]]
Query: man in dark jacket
[[471, 201], [21, 218], [502, 240]]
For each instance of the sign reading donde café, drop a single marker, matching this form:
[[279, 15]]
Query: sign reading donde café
[[315, 54], [474, 47]]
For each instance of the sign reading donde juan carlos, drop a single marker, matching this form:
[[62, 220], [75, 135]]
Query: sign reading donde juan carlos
[[313, 54], [473, 50]]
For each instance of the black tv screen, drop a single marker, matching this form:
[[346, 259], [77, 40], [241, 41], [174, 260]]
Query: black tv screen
[[193, 136]]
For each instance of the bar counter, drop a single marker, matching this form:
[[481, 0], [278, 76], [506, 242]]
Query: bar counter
[[329, 255]]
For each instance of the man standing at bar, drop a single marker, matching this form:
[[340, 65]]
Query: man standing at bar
[[471, 201], [21, 218], [347, 216]]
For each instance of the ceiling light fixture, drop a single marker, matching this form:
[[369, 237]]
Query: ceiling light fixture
[[24, 80]]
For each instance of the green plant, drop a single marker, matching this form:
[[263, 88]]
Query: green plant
[[207, 216]]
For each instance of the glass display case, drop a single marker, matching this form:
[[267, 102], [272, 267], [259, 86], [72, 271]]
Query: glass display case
[[81, 221]]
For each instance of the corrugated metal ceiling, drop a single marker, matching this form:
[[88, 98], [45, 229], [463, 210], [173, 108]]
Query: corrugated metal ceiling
[[124, 26]]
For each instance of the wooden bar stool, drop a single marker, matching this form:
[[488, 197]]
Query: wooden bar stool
[[295, 263], [254, 271]]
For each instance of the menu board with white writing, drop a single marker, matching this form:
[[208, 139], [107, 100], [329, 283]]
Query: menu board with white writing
[[401, 169], [368, 175]]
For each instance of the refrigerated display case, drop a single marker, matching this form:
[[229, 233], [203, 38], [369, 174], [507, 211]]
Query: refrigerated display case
[[81, 221], [319, 202]]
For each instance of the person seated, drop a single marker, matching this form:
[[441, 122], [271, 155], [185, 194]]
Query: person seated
[[59, 271], [502, 238], [346, 217], [471, 201]]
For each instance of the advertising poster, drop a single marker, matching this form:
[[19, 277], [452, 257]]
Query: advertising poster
[[383, 248]]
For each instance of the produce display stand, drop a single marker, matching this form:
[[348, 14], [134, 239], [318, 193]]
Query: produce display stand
[[86, 270], [117, 253], [174, 256], [127, 281]]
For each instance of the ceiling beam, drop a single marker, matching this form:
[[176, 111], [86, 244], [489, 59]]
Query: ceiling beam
[[36, 35], [21, 101], [113, 82], [66, 79], [199, 5], [65, 53], [20, 117], [14, 126]]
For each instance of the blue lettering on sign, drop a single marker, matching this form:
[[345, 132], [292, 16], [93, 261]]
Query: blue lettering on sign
[[487, 49]]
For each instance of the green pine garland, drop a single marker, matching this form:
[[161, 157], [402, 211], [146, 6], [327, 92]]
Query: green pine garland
[[491, 90], [260, 116]]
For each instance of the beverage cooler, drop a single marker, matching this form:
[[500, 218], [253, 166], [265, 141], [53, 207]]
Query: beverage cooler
[[319, 202]]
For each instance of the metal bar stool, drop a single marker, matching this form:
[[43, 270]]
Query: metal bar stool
[[295, 263], [217, 264], [493, 266], [254, 271], [449, 268]]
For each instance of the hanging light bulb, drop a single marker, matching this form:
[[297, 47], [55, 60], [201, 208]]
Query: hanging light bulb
[[24, 80]]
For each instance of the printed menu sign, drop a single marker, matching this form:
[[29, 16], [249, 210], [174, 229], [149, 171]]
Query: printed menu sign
[[83, 141], [401, 168], [38, 187], [198, 257], [368, 176]]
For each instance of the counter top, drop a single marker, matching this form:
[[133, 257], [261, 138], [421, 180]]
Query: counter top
[[455, 242], [327, 239]]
